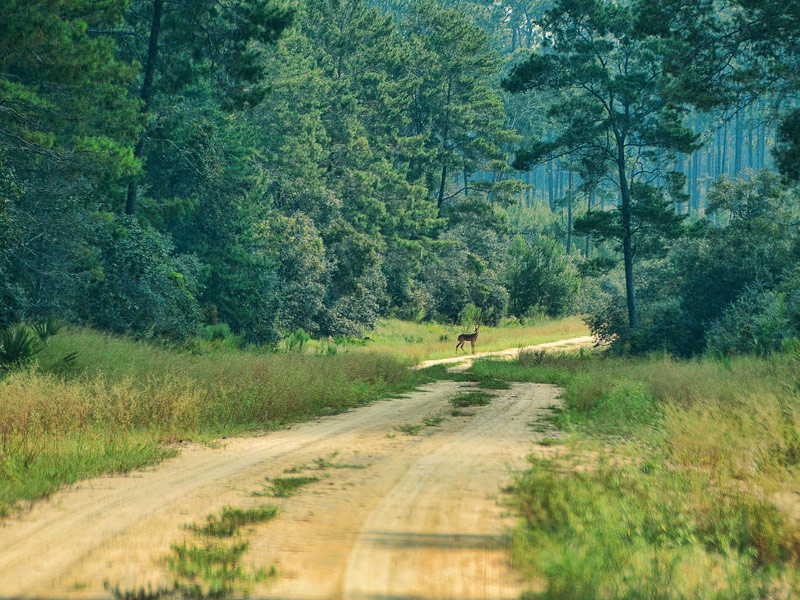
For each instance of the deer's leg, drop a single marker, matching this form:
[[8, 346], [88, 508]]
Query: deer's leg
[[472, 342]]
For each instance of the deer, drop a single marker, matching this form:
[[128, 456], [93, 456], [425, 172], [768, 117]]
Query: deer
[[468, 337]]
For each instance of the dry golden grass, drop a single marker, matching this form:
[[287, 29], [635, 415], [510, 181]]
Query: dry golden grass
[[115, 406]]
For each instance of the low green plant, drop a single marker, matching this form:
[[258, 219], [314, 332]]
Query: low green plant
[[322, 463], [457, 412], [283, 487], [433, 421], [297, 341], [548, 441], [491, 383], [408, 428], [47, 328], [474, 398], [230, 519], [18, 345], [672, 485], [212, 570], [141, 593]]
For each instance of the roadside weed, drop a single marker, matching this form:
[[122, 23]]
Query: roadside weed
[[283, 487], [433, 421], [213, 570], [231, 519], [473, 398], [408, 429], [457, 412]]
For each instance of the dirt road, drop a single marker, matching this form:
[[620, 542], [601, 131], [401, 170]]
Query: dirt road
[[421, 519]]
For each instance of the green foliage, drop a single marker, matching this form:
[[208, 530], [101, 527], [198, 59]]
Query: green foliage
[[50, 48], [221, 335], [47, 328], [138, 285], [618, 110], [540, 278], [788, 145], [758, 322], [18, 345], [470, 316], [733, 287]]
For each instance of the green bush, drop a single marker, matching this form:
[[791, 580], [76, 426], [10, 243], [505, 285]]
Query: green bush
[[540, 277], [733, 287], [756, 323], [138, 284]]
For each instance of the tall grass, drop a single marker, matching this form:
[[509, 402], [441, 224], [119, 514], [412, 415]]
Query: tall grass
[[118, 402], [682, 484]]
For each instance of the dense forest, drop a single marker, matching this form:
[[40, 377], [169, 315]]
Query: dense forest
[[169, 165]]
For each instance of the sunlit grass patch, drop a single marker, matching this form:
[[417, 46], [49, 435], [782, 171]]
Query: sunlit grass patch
[[213, 570], [283, 487], [699, 500], [120, 402], [230, 519]]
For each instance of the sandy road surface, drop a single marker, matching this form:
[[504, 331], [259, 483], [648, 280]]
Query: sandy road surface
[[422, 519]]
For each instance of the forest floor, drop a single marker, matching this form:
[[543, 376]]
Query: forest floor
[[403, 500]]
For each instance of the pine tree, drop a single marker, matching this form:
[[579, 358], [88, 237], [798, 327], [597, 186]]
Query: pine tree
[[613, 105]]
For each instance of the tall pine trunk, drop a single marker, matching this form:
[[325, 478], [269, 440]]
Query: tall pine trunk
[[146, 94], [589, 202], [569, 215], [737, 148], [627, 242]]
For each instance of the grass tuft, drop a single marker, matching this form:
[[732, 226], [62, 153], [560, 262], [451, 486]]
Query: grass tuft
[[284, 487], [409, 429], [213, 570], [474, 398], [230, 519], [457, 412]]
